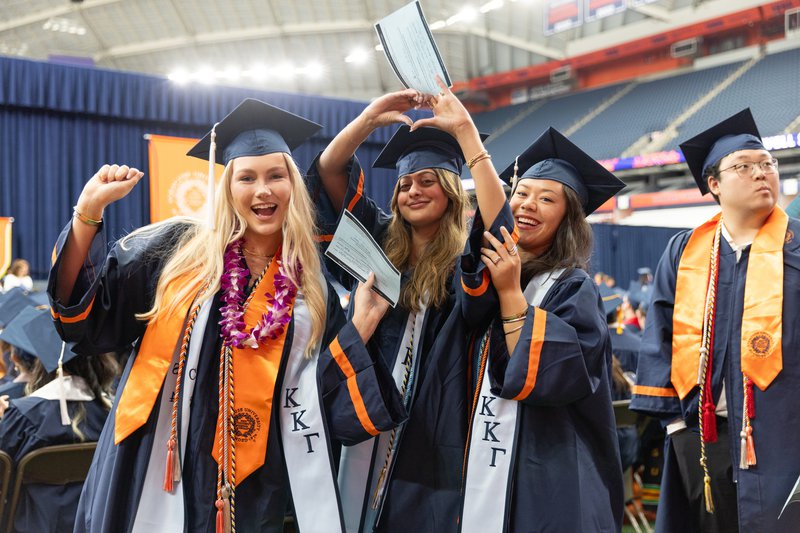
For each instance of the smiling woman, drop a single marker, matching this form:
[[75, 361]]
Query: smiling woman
[[233, 310]]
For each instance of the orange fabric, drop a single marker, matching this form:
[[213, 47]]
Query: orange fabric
[[762, 318], [72, 319], [324, 238], [358, 194], [761, 355], [255, 372], [480, 289], [535, 352], [352, 387], [691, 286], [662, 392]]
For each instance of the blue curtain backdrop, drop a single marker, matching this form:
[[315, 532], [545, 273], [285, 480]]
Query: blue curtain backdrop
[[620, 250], [59, 124]]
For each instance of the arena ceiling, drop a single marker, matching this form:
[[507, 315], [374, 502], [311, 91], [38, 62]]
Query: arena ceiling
[[323, 47]]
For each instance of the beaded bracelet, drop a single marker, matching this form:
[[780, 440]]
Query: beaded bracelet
[[483, 154], [86, 220]]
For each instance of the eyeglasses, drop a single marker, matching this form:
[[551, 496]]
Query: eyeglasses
[[748, 168]]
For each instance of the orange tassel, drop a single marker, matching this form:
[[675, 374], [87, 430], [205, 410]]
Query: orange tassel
[[169, 472], [751, 448], [220, 516]]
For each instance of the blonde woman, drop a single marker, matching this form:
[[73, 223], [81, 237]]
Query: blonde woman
[[245, 368], [408, 479]]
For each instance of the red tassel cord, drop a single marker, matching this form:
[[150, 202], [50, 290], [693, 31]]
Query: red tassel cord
[[169, 471], [220, 516], [751, 401]]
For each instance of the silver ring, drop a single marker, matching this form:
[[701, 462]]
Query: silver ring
[[513, 251]]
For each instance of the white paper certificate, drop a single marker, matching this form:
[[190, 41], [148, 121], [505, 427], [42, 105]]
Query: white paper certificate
[[355, 250], [409, 46]]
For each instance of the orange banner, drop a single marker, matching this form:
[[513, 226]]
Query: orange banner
[[178, 183], [5, 244]]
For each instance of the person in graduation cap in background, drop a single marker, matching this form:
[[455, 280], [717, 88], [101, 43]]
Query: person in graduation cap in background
[[12, 303], [625, 343], [21, 356], [717, 365], [62, 407], [542, 451], [245, 367], [387, 483]]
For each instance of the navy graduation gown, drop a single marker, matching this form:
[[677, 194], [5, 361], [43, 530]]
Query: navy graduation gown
[[762, 489], [566, 465], [107, 295], [423, 492], [13, 389], [29, 424]]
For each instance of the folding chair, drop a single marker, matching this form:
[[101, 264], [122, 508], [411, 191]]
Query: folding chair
[[52, 465], [626, 417], [6, 468]]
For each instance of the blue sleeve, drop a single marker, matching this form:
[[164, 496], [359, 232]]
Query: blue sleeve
[[112, 287], [653, 393], [474, 291], [360, 396], [18, 435], [563, 353], [363, 208]]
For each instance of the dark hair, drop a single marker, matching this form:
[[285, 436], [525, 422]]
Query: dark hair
[[713, 172], [619, 381], [571, 246]]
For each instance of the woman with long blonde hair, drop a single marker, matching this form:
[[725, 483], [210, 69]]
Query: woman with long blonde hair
[[407, 479], [245, 368]]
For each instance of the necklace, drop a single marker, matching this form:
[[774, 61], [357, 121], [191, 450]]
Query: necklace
[[273, 322], [254, 254]]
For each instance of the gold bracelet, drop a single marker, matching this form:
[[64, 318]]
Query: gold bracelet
[[522, 314], [86, 220], [483, 154], [513, 320], [514, 330]]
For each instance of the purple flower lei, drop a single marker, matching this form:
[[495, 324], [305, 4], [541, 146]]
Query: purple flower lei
[[272, 323]]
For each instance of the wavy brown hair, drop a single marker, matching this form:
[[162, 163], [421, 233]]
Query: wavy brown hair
[[572, 243], [429, 276]]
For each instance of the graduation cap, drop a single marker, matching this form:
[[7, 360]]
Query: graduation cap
[[643, 271], [14, 334], [611, 300], [639, 298], [735, 133], [13, 302], [411, 151], [254, 128], [45, 343], [554, 157]]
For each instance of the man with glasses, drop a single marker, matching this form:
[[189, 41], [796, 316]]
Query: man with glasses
[[720, 363]]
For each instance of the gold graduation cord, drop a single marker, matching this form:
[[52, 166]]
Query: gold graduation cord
[[407, 364], [705, 348]]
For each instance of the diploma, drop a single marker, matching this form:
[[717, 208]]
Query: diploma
[[409, 46], [355, 250]]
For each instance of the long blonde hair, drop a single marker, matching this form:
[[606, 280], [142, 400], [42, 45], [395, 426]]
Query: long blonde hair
[[430, 275], [199, 253]]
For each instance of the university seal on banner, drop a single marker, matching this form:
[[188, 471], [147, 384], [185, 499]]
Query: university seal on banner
[[187, 194], [760, 344], [246, 425]]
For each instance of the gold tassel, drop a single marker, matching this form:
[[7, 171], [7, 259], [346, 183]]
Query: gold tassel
[[707, 494]]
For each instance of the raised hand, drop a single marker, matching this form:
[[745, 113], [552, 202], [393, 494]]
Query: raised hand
[[391, 108], [109, 184], [503, 262], [449, 114]]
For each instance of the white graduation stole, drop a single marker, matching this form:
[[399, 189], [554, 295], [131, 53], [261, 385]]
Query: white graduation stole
[[491, 454], [304, 433], [360, 465]]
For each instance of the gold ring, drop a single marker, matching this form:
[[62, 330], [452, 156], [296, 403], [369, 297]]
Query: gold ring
[[496, 259]]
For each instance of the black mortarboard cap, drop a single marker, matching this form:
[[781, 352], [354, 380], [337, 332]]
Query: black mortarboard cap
[[411, 151], [44, 340], [14, 334], [13, 303], [554, 157], [611, 300], [255, 128], [735, 133]]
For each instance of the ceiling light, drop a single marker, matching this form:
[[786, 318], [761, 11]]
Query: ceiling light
[[179, 76], [358, 56], [491, 6], [314, 70], [438, 25]]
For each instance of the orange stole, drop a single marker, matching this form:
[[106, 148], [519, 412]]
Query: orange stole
[[255, 371], [761, 357]]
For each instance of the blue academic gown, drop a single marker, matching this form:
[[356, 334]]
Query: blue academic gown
[[566, 465], [29, 424], [13, 389], [122, 285], [762, 489], [423, 492]]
